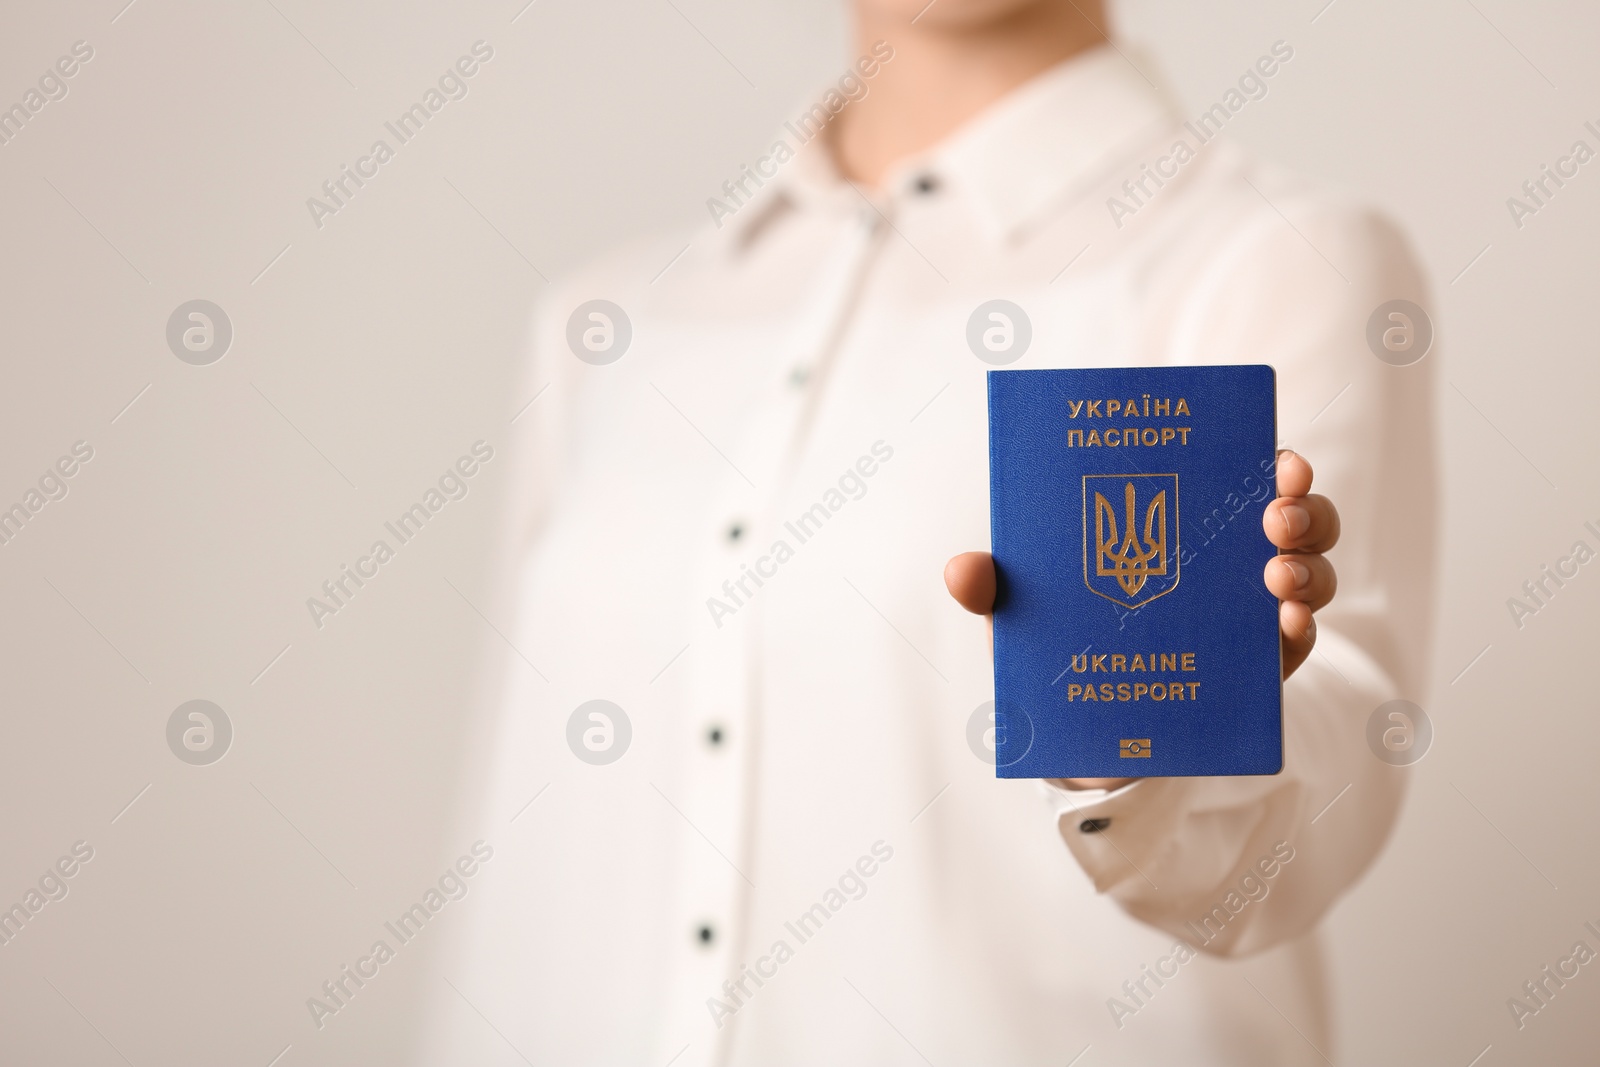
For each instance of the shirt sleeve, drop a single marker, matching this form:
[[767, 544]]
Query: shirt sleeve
[[1235, 865]]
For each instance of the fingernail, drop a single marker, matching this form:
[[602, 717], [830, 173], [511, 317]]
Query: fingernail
[[1306, 633], [1296, 519], [1297, 571]]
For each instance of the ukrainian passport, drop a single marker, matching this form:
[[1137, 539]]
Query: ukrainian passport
[[1133, 634]]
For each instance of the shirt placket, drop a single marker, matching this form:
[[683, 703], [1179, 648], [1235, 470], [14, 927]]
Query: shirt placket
[[716, 851]]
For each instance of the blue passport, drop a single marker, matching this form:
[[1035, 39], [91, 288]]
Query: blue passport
[[1133, 634]]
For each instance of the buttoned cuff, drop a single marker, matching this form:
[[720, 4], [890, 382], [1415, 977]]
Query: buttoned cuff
[[1114, 833], [1125, 839]]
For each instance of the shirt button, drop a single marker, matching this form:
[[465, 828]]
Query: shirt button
[[735, 531], [705, 935], [799, 376], [715, 735], [925, 184], [1094, 826]]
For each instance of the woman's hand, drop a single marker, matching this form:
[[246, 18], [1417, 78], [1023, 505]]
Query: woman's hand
[[1300, 523], [1303, 525]]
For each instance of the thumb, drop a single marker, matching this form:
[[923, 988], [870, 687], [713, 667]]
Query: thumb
[[970, 579]]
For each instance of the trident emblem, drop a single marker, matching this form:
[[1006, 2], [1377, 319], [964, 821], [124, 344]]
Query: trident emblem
[[1135, 558]]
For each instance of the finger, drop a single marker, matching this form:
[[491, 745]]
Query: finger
[[1308, 579], [1298, 632], [970, 579], [1302, 523], [1294, 474]]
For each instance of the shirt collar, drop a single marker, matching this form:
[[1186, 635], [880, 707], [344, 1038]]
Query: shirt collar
[[1021, 157], [1047, 140]]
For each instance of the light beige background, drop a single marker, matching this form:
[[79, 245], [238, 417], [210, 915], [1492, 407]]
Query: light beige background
[[375, 350]]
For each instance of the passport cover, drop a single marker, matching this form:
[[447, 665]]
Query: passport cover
[[1133, 634]]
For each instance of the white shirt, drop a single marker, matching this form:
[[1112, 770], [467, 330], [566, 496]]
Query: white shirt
[[818, 334]]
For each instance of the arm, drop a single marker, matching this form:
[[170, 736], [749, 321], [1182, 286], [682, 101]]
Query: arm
[[1244, 851]]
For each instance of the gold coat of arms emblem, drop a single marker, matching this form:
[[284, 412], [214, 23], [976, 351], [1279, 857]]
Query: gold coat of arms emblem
[[1130, 536]]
